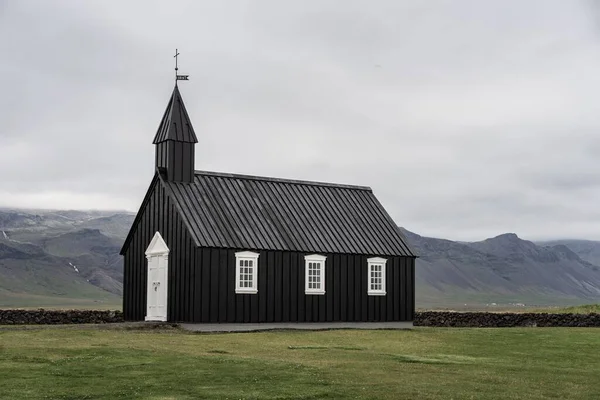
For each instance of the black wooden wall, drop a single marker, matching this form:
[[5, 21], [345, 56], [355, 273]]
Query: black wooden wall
[[159, 214], [281, 296], [177, 158]]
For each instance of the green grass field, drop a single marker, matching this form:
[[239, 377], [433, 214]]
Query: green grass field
[[97, 300], [425, 363], [582, 309], [576, 309]]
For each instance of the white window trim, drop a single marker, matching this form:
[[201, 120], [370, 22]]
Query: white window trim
[[371, 262], [246, 255], [314, 258]]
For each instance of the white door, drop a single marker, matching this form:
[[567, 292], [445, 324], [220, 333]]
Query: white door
[[158, 264]]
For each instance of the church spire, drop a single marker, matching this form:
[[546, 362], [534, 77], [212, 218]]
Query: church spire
[[175, 139], [175, 124]]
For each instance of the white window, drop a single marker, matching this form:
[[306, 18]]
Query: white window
[[314, 274], [246, 272], [376, 276]]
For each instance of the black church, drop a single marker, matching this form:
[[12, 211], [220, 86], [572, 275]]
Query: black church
[[226, 248]]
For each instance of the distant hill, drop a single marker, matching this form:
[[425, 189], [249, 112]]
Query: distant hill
[[71, 258], [27, 225], [58, 258], [503, 270], [95, 255], [588, 250]]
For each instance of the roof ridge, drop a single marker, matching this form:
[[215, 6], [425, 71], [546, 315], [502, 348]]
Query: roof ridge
[[282, 180]]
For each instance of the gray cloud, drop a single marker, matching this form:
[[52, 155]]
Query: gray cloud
[[467, 118]]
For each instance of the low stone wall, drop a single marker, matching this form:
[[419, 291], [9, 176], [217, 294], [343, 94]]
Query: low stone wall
[[428, 318], [500, 320], [53, 317]]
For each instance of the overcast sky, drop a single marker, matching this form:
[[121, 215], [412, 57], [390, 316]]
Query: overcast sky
[[467, 118]]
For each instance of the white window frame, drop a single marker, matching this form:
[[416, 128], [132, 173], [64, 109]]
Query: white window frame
[[371, 262], [314, 258], [243, 256]]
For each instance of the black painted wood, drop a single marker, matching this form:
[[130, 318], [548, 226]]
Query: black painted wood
[[204, 259], [231, 299], [285, 286], [262, 289], [343, 287], [201, 285], [205, 217], [300, 287], [270, 289], [175, 140], [281, 296], [223, 280], [357, 289], [389, 315], [177, 159], [293, 287], [159, 214], [278, 286], [336, 287]]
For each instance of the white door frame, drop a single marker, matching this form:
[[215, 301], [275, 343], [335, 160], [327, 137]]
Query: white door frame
[[157, 255]]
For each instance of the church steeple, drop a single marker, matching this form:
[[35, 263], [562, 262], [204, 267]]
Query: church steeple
[[175, 141]]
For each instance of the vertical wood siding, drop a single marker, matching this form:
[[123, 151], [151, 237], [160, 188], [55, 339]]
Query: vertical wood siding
[[201, 284], [159, 214], [281, 296], [177, 158]]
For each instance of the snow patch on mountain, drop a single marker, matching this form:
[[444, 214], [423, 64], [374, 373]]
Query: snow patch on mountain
[[74, 267]]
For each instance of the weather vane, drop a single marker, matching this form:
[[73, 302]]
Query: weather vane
[[179, 77]]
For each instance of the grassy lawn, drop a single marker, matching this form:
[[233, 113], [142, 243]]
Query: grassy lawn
[[575, 309], [101, 301], [582, 309], [425, 363]]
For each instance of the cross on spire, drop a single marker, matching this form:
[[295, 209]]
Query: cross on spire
[[176, 54], [179, 77]]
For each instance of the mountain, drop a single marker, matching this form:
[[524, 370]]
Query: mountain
[[28, 225], [61, 258], [95, 255], [31, 276], [588, 250], [71, 258], [502, 270], [115, 225]]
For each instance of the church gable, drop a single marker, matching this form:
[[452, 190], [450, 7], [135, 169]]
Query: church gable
[[158, 210], [159, 213]]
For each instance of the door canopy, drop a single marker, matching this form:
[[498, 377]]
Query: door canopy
[[157, 246]]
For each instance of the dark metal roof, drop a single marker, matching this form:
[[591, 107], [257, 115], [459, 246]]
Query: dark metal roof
[[175, 124], [249, 212]]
